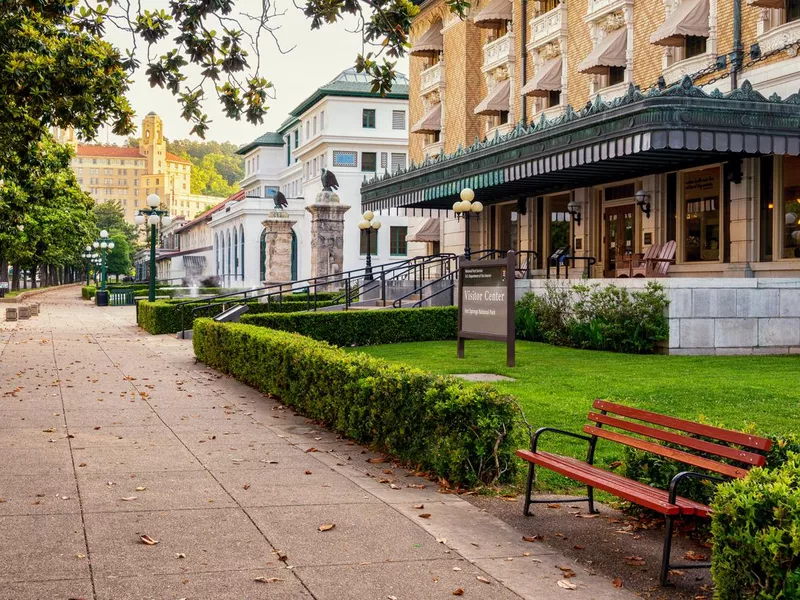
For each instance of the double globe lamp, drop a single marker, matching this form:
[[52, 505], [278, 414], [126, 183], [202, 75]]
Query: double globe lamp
[[153, 216], [368, 224], [465, 208]]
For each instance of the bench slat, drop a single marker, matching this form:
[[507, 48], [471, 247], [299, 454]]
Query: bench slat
[[622, 487], [679, 455], [724, 435], [751, 458]]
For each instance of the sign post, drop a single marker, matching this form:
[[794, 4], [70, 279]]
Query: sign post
[[486, 303]]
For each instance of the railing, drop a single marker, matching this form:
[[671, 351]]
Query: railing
[[546, 26], [498, 52], [121, 298], [431, 78], [590, 261]]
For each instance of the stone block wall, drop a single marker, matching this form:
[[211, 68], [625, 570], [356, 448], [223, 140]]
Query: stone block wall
[[723, 316]]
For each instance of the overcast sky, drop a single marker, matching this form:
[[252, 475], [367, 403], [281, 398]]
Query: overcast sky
[[318, 56]]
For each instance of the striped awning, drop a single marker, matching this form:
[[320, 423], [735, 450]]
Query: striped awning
[[429, 231], [494, 14], [496, 101], [430, 43], [689, 19], [547, 78], [430, 122], [610, 52]]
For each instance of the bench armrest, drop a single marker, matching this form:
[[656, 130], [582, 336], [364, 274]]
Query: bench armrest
[[673, 485], [541, 430]]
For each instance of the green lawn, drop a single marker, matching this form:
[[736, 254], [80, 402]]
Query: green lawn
[[555, 386]]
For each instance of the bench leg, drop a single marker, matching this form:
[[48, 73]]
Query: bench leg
[[668, 526], [590, 497], [529, 488]]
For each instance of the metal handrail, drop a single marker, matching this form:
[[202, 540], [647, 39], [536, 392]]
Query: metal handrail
[[590, 261]]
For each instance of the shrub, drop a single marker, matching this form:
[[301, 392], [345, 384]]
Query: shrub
[[756, 535], [88, 292], [595, 317], [463, 433], [367, 327]]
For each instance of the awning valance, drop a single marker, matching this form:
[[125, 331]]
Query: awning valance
[[430, 43], [547, 78], [610, 52], [690, 18], [767, 3], [496, 101], [431, 122], [494, 14], [427, 232]]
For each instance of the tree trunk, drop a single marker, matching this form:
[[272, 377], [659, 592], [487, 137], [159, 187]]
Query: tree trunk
[[15, 279], [34, 270], [3, 269]]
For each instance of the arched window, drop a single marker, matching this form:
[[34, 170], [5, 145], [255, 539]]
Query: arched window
[[228, 256], [262, 267], [216, 253], [235, 254], [241, 250]]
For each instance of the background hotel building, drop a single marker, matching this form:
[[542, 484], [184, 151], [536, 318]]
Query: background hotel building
[[129, 175], [533, 104]]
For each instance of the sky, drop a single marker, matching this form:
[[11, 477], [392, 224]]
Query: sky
[[315, 59]]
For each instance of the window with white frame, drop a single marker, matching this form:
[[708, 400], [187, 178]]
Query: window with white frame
[[322, 121], [398, 161], [345, 158], [399, 119]]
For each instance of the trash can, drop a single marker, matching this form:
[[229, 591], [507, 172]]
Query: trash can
[[101, 298]]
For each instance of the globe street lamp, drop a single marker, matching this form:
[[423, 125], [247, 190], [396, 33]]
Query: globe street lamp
[[104, 244], [152, 215], [367, 224], [466, 208], [87, 257]]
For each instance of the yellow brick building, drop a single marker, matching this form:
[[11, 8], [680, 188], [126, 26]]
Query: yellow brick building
[[608, 127], [128, 175]]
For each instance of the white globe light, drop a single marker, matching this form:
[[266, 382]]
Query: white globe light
[[790, 218], [153, 219], [153, 200], [88, 248], [139, 219], [166, 220], [368, 215], [104, 245], [376, 224], [95, 244], [363, 225], [456, 206], [466, 206], [110, 245], [467, 195], [796, 235], [104, 234], [477, 206]]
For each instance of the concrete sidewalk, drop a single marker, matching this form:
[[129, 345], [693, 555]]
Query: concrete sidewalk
[[108, 434]]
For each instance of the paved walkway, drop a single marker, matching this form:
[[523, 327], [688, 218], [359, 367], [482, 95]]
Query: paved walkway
[[108, 434]]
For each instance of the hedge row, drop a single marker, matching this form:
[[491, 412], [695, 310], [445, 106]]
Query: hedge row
[[464, 433], [88, 292], [366, 327], [164, 316]]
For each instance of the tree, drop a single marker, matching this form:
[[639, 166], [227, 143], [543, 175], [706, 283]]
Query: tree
[[119, 259], [111, 217]]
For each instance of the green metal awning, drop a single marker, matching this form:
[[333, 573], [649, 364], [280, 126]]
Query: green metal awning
[[636, 134]]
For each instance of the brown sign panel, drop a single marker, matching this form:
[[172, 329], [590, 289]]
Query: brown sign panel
[[486, 302]]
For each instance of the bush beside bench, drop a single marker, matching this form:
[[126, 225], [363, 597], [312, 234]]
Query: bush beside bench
[[463, 433]]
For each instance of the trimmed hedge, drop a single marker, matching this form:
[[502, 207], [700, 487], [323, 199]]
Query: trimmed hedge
[[756, 535], [367, 327], [164, 316], [88, 292], [464, 433]]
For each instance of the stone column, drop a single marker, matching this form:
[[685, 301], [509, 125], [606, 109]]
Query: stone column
[[278, 242], [743, 221], [327, 235]]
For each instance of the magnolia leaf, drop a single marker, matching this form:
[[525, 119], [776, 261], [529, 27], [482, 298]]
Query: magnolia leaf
[[147, 540]]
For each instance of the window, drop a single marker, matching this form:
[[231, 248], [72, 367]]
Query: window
[[315, 124], [384, 160], [559, 222], [368, 118], [342, 158], [399, 119], [792, 10], [791, 207], [314, 168], [553, 98], [766, 208], [398, 161], [432, 138], [397, 241], [308, 129], [296, 138], [701, 202], [616, 75], [369, 161], [373, 242], [322, 121], [695, 45]]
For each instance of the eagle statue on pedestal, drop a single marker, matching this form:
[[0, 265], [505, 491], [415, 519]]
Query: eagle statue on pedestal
[[329, 182], [280, 201]]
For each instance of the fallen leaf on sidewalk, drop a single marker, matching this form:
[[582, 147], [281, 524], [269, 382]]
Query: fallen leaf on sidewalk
[[394, 486], [147, 540], [458, 592], [51, 430], [457, 569], [417, 486], [141, 488], [567, 572], [563, 583], [268, 579], [531, 538], [483, 579], [587, 516], [376, 461], [692, 555], [246, 486], [180, 555], [634, 561], [617, 582], [419, 506], [425, 516], [327, 526], [312, 449], [129, 499], [553, 506], [308, 472]]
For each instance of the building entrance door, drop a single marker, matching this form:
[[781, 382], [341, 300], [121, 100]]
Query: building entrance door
[[618, 222]]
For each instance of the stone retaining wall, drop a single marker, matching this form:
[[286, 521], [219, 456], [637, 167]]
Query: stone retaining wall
[[722, 315]]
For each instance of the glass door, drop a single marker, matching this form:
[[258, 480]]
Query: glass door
[[618, 235]]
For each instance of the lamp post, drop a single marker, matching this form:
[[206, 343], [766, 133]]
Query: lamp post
[[368, 223], [152, 215], [104, 244], [87, 260], [466, 208]]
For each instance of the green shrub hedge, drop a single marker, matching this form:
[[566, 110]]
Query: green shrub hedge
[[464, 433], [88, 292], [367, 327], [595, 317], [756, 535]]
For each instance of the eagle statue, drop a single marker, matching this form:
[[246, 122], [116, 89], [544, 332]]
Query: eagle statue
[[329, 182], [280, 201]]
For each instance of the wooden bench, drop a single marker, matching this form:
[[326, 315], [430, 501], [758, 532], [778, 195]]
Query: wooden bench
[[704, 447]]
